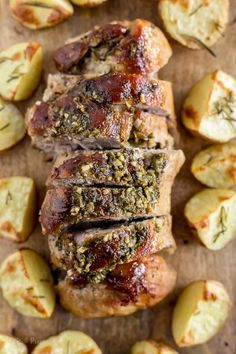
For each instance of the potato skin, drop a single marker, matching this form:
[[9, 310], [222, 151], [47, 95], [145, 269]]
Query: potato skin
[[49, 14], [12, 125], [78, 342], [20, 69], [27, 284], [194, 22], [201, 310], [216, 166], [11, 345], [151, 347], [88, 3]]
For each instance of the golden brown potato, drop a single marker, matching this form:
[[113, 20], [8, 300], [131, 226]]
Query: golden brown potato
[[20, 70], [216, 166], [27, 284], [211, 215], [197, 23], [12, 125], [209, 110], [71, 342], [88, 3], [200, 312], [17, 207], [36, 14], [151, 347], [10, 345]]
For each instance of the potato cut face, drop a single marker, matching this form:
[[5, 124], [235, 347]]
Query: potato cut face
[[40, 14], [209, 110], [68, 342], [27, 284], [216, 166], [211, 215], [200, 312], [17, 207], [151, 347], [20, 70], [10, 345], [195, 23], [87, 3], [12, 125]]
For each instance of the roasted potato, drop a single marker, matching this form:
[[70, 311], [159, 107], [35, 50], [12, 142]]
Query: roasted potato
[[27, 284], [17, 207], [36, 14], [10, 345], [151, 347], [200, 312], [20, 70], [209, 110], [68, 342], [211, 215], [12, 125], [87, 3], [216, 166], [195, 24]]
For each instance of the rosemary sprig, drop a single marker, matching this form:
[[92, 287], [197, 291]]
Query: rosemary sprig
[[222, 224], [37, 4], [196, 10], [199, 43], [5, 126]]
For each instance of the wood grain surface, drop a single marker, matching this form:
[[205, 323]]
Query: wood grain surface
[[192, 261]]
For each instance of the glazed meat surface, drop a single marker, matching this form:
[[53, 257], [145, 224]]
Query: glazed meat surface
[[130, 287], [91, 254], [108, 111], [131, 167], [136, 47]]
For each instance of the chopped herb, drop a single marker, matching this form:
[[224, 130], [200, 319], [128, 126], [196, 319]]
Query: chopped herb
[[222, 224], [196, 10], [2, 108], [4, 59], [8, 198], [219, 29], [199, 43], [5, 126], [225, 107], [45, 280], [39, 297]]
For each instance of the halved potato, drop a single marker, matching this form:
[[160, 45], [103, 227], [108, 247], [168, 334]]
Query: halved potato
[[197, 23], [209, 110], [17, 207], [37, 14], [70, 342], [88, 3], [27, 284], [12, 125], [200, 312], [211, 215], [151, 347], [216, 166], [10, 345], [20, 70]]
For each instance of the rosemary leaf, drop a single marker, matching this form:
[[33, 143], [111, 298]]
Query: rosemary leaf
[[222, 224], [4, 59], [219, 29], [5, 126], [199, 43], [196, 10], [8, 198], [2, 108], [39, 297]]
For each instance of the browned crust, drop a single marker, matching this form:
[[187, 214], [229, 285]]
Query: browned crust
[[129, 288]]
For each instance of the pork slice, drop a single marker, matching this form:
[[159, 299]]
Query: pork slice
[[129, 288], [91, 254], [128, 167], [136, 47]]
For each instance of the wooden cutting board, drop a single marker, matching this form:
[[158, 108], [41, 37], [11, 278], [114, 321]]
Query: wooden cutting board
[[192, 261]]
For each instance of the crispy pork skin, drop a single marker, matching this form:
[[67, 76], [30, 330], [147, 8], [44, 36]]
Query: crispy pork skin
[[136, 47], [91, 254], [130, 287]]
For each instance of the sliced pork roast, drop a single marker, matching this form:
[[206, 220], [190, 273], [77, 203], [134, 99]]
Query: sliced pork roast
[[104, 112], [129, 287], [128, 167], [136, 47], [91, 254]]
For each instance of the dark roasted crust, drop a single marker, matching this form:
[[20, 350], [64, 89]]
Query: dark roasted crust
[[131, 287], [65, 207], [126, 47], [91, 254]]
